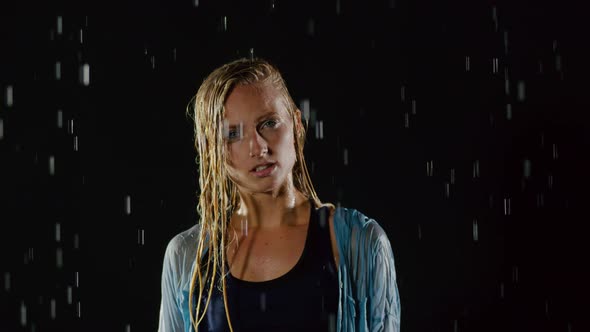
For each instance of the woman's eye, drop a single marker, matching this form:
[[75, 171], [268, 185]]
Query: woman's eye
[[270, 123]]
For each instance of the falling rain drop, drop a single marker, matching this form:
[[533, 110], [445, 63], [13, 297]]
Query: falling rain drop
[[419, 232], [57, 232], [304, 105], [127, 205], [547, 307], [9, 96], [196, 3], [225, 23], [403, 93], [345, 157], [506, 82], [495, 65], [153, 61], [141, 237], [75, 143], [85, 74], [79, 309], [476, 169], [558, 62], [555, 151], [319, 130], [310, 27], [52, 308], [1, 129], [76, 241], [58, 70], [60, 119], [69, 295], [515, 274], [506, 206], [59, 258], [406, 120], [447, 190], [508, 112], [263, 302], [467, 64], [23, 314], [7, 281], [430, 168], [81, 36], [51, 165], [495, 17], [174, 54], [128, 328], [71, 126], [455, 326], [550, 181], [413, 106], [59, 25], [452, 176], [251, 53], [77, 279], [540, 200], [475, 231], [520, 88], [526, 168]]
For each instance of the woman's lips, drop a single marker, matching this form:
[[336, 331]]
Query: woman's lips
[[264, 172]]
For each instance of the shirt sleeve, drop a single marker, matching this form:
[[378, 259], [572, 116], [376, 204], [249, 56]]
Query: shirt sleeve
[[171, 319], [385, 309]]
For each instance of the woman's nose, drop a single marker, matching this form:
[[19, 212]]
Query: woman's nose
[[257, 145]]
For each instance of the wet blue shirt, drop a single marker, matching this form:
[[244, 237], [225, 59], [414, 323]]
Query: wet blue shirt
[[368, 294]]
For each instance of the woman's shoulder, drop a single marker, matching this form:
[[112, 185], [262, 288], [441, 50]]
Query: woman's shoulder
[[184, 241], [352, 220]]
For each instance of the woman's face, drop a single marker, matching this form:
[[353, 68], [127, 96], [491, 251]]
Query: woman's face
[[258, 131]]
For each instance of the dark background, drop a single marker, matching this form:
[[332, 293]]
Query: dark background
[[461, 127]]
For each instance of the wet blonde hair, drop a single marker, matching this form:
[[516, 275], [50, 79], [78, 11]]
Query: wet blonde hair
[[218, 196]]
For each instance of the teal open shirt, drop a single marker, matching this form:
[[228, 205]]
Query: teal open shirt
[[369, 298]]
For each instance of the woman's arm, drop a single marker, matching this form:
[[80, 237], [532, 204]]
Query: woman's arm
[[171, 319], [385, 308]]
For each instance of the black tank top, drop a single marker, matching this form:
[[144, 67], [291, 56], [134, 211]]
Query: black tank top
[[303, 299]]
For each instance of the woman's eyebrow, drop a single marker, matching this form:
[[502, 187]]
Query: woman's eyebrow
[[267, 114]]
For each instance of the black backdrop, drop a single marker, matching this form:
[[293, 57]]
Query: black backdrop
[[461, 127]]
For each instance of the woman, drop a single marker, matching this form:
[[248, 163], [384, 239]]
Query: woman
[[271, 255]]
